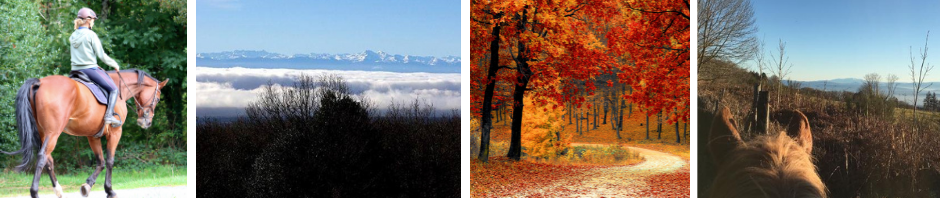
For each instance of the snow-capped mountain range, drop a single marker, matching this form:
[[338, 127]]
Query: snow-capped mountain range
[[904, 90], [368, 56]]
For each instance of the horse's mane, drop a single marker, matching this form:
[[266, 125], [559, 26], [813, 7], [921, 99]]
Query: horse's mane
[[768, 166], [140, 74]]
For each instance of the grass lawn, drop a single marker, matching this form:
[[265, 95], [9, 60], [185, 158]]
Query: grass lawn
[[17, 184]]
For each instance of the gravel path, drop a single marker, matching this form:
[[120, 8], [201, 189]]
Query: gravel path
[[162, 192], [618, 181]]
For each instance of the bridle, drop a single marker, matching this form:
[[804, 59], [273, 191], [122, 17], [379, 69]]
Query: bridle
[[153, 97], [153, 101]]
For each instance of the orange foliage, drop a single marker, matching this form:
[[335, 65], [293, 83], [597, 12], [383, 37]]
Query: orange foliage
[[542, 133], [656, 40], [540, 42]]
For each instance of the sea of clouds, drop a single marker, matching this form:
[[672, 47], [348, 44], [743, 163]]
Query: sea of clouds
[[225, 92]]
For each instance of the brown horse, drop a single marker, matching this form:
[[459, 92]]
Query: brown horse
[[771, 165], [48, 106]]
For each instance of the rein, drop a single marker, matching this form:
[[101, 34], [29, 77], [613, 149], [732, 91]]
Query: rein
[[125, 84]]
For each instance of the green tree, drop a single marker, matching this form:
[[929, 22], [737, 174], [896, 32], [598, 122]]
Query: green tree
[[25, 52]]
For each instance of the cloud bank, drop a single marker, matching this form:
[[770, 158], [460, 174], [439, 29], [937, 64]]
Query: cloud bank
[[225, 92]]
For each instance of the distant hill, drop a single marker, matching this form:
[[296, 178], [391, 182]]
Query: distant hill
[[904, 92], [366, 61]]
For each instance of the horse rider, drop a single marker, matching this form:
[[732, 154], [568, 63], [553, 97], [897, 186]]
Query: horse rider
[[85, 48]]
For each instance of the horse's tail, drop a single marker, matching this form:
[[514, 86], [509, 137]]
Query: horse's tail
[[26, 123]]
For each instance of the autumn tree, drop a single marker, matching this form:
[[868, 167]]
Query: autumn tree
[[656, 39], [548, 42], [487, 24]]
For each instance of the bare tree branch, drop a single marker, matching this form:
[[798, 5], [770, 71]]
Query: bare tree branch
[[918, 73], [725, 31]]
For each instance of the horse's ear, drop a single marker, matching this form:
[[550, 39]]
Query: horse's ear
[[724, 136], [164, 82], [798, 129]]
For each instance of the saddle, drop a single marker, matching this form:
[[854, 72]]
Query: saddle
[[101, 95]]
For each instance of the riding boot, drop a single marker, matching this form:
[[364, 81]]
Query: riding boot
[[109, 114]]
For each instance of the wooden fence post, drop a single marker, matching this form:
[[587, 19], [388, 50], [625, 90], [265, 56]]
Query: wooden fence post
[[763, 112]]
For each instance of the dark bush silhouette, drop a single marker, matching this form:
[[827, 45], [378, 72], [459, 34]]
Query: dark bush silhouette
[[316, 140]]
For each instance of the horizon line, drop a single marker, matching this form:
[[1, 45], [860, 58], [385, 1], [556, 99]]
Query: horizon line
[[264, 50]]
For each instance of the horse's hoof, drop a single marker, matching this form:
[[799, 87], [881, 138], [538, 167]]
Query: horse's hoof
[[85, 189], [58, 190]]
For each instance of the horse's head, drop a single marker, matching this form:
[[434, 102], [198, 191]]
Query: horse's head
[[771, 165], [147, 99]]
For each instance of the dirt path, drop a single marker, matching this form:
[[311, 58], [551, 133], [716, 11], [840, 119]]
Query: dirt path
[[618, 181], [167, 191]]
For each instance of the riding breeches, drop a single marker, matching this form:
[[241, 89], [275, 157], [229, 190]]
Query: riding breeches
[[101, 78]]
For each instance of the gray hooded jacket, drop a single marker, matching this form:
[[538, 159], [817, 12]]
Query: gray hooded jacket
[[85, 48]]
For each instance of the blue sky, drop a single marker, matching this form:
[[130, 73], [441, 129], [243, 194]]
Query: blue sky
[[848, 39], [412, 27]]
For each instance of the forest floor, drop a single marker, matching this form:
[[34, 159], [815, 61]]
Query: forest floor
[[664, 171], [641, 180]]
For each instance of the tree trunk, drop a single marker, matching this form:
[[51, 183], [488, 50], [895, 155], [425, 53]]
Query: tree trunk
[[104, 10], [678, 137], [595, 116], [486, 121], [659, 125], [569, 112], [502, 112], [614, 111], [606, 107], [647, 126], [515, 142], [577, 122], [613, 114], [496, 115], [631, 105], [522, 66], [619, 121], [763, 112]]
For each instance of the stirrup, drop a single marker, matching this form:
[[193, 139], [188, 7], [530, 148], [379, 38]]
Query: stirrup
[[113, 121], [105, 125]]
